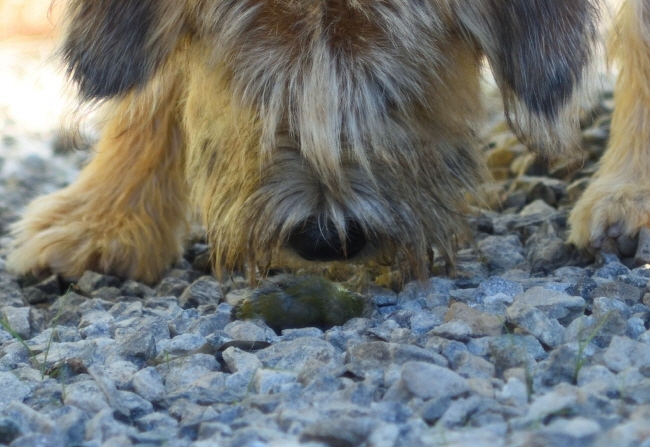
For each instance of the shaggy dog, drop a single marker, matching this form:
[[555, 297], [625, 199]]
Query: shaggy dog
[[617, 202], [303, 131]]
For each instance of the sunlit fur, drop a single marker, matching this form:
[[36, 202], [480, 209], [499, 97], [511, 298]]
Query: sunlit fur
[[271, 112], [128, 212], [617, 202]]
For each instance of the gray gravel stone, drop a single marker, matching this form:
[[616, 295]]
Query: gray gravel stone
[[34, 439], [179, 345], [599, 379], [86, 395], [95, 323], [17, 319], [546, 250], [250, 330], [378, 354], [604, 305], [623, 353], [126, 310], [205, 290], [292, 334], [563, 399], [178, 373], [496, 287], [88, 352], [502, 252], [471, 273], [209, 324], [239, 361], [268, 381], [585, 286], [435, 293], [148, 383], [482, 324], [136, 289], [433, 409], [341, 432], [10, 292], [126, 403], [576, 432], [547, 330], [454, 330], [459, 412], [182, 322], [418, 378], [635, 327], [597, 330], [139, 346], [612, 270], [513, 393], [13, 389], [103, 426], [35, 296], [107, 293], [91, 281], [382, 297], [560, 366], [631, 433], [156, 421], [473, 367], [171, 286], [557, 305], [513, 351], [121, 372], [638, 281], [618, 290], [296, 354]]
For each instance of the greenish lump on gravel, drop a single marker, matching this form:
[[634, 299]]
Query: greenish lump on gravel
[[301, 301]]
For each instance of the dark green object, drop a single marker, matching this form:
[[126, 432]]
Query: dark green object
[[301, 301], [8, 431]]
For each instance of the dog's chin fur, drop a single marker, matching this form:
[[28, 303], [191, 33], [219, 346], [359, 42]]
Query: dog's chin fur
[[297, 109]]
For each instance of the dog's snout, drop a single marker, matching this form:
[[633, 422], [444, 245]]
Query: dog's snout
[[314, 240]]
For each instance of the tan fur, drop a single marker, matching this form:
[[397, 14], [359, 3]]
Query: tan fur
[[356, 117], [127, 213], [617, 202]]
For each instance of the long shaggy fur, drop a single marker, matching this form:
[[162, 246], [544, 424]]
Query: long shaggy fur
[[358, 115]]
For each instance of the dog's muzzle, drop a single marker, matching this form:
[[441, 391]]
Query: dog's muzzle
[[314, 240]]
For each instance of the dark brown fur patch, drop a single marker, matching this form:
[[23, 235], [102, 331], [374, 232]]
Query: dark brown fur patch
[[110, 47], [543, 48]]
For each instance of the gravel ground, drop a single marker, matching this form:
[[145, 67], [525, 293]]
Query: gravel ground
[[531, 344]]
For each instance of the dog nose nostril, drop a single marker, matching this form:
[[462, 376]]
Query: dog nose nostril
[[318, 242]]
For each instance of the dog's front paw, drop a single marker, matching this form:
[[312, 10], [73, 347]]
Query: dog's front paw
[[612, 206], [71, 231]]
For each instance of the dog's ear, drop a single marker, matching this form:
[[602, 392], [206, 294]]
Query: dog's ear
[[114, 46], [540, 52]]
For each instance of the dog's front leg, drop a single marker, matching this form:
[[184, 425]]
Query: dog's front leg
[[617, 202], [127, 214]]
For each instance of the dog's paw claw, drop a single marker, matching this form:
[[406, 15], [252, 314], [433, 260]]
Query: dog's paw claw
[[609, 210], [61, 234]]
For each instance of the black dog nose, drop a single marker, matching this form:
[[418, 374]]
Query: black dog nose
[[314, 241]]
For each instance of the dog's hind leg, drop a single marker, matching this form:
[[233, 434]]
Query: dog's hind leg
[[127, 214], [617, 202]]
